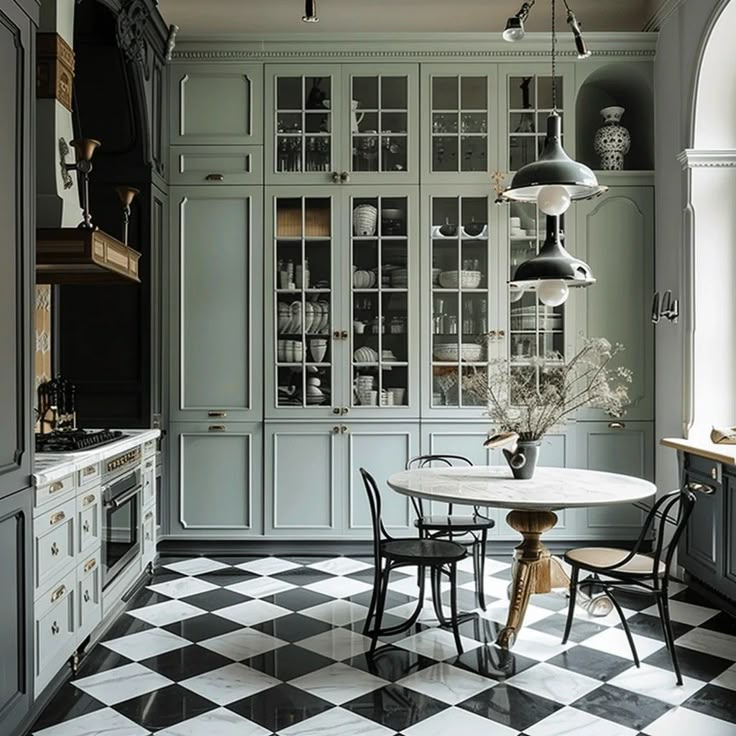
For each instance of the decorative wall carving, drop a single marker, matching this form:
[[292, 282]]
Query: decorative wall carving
[[54, 68], [131, 29]]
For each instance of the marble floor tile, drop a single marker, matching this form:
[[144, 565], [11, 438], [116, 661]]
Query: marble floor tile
[[538, 645], [499, 610], [337, 644], [340, 566], [201, 627], [182, 587], [727, 679], [698, 665], [293, 627], [339, 587], [289, 662], [252, 612], [715, 701], [685, 613], [554, 683], [709, 642], [122, 683], [196, 566], [267, 565], [685, 721], [436, 643], [573, 722], [625, 707], [242, 644], [166, 613], [219, 722], [444, 682], [180, 664], [338, 683], [163, 708], [230, 683], [102, 722], [614, 641], [216, 599], [336, 721], [337, 612], [458, 721], [146, 644], [657, 683], [260, 587]]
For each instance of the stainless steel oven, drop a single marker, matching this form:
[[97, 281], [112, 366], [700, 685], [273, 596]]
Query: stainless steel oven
[[121, 498]]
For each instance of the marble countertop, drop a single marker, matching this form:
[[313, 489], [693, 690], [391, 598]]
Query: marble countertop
[[50, 466], [549, 489], [704, 448]]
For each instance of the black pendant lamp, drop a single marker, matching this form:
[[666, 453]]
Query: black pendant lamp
[[553, 271], [554, 179]]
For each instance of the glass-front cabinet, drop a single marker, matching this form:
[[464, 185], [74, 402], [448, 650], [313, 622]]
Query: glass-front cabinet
[[350, 123], [342, 282]]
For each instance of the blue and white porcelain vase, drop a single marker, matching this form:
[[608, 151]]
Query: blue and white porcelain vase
[[612, 142]]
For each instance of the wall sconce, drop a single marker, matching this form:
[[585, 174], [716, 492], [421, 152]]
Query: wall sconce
[[127, 195], [666, 307], [85, 148]]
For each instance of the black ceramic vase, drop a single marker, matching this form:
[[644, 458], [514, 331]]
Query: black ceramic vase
[[523, 460]]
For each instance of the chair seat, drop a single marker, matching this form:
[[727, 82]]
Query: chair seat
[[429, 551], [593, 558], [454, 523]]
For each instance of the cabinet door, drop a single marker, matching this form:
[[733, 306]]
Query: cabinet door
[[380, 112], [459, 123], [305, 123], [304, 338], [16, 255], [702, 547], [16, 612], [615, 237], [215, 302], [216, 480], [305, 480], [614, 447], [216, 104], [729, 531], [382, 317], [382, 449]]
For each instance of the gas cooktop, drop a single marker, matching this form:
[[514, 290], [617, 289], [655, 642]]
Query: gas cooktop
[[76, 440]]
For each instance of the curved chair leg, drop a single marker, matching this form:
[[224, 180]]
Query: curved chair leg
[[667, 625], [404, 625], [660, 608], [481, 577], [453, 606], [571, 604], [625, 624], [435, 577], [380, 605], [374, 598]]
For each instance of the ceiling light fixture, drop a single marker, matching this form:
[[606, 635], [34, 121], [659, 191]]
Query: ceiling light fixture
[[514, 30], [553, 271], [554, 179], [310, 12], [583, 51]]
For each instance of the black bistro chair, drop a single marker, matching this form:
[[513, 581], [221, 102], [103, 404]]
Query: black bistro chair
[[636, 572], [470, 530], [439, 555]]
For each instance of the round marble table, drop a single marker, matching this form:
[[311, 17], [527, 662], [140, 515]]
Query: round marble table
[[533, 503]]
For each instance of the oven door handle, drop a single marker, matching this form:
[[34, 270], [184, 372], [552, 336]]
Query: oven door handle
[[116, 503]]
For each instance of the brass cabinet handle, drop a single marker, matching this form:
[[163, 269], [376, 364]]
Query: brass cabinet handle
[[56, 518], [90, 565], [217, 414], [57, 486], [87, 500], [701, 488], [214, 177], [89, 470], [86, 527], [55, 550], [58, 593], [617, 425], [55, 628], [86, 596], [216, 428]]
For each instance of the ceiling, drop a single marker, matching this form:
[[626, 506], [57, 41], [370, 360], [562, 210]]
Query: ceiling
[[216, 17]]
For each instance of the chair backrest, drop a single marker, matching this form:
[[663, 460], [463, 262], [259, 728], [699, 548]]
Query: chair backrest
[[374, 501], [427, 461], [678, 504]]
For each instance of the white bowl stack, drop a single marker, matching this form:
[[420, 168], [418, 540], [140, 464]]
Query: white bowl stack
[[460, 279], [467, 352]]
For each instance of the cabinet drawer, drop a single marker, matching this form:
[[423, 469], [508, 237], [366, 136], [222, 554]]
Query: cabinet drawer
[[212, 166], [54, 540], [88, 475], [89, 595], [55, 633], [55, 492], [89, 518], [149, 536], [148, 480], [149, 448], [709, 469]]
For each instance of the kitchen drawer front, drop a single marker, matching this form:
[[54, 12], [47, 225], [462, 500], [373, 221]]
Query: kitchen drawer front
[[89, 518], [149, 448], [709, 469], [148, 481], [54, 542], [89, 595], [148, 526], [55, 631], [57, 491], [89, 475], [216, 166]]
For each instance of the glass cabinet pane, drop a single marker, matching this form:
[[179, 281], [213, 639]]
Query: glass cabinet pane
[[459, 109], [461, 279], [530, 102], [303, 124], [379, 107], [380, 301], [303, 283]]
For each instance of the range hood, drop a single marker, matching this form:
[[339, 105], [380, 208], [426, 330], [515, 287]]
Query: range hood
[[80, 256]]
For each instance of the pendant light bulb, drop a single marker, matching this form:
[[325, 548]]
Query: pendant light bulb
[[310, 12], [553, 293], [514, 30], [515, 294], [574, 23], [553, 200]]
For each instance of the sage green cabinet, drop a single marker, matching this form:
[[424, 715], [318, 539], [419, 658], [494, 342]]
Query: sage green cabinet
[[343, 123], [615, 237], [215, 307], [216, 103], [313, 485], [215, 478], [216, 165]]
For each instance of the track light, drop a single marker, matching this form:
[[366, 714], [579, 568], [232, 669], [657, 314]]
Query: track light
[[514, 30], [310, 12], [572, 21]]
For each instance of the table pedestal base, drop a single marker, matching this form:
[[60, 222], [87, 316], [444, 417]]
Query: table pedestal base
[[534, 569]]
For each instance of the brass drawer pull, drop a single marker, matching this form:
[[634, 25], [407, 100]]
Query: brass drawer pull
[[217, 414], [90, 565], [616, 425], [216, 428], [214, 177], [57, 486], [58, 593], [56, 518], [701, 488], [88, 499], [55, 550], [55, 628], [90, 470]]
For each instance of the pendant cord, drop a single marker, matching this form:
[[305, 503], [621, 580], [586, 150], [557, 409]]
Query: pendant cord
[[554, 60]]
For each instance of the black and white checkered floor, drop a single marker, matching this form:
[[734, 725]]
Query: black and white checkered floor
[[259, 646]]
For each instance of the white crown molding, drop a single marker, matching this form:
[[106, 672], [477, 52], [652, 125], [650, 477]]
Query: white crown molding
[[660, 16], [692, 158]]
